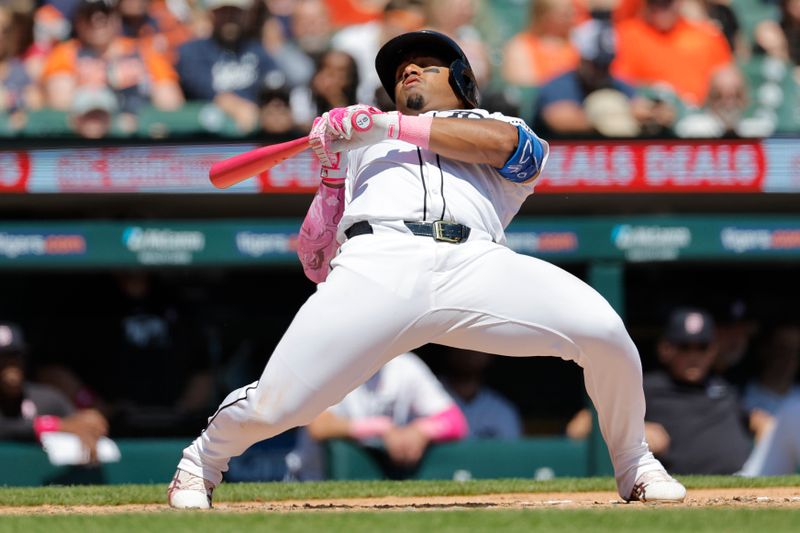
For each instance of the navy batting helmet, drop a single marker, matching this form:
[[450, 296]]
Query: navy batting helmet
[[433, 44]]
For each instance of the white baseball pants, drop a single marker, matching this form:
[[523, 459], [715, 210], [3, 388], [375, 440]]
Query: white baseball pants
[[390, 292]]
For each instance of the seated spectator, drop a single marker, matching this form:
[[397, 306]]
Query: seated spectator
[[27, 410], [294, 49], [276, 114], [153, 25], [489, 414], [17, 90], [334, 84], [723, 114], [735, 330], [362, 41], [229, 68], [394, 415], [92, 112], [455, 19], [661, 46], [589, 100], [50, 27], [694, 423], [781, 38], [777, 363], [544, 50], [778, 452], [99, 57]]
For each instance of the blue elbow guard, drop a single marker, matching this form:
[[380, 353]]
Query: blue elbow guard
[[527, 159]]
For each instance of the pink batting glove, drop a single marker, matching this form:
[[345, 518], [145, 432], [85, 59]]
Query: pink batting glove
[[360, 125], [320, 140]]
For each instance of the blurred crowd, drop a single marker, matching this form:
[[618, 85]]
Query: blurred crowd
[[613, 68]]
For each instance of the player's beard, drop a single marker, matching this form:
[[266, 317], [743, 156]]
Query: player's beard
[[415, 102]]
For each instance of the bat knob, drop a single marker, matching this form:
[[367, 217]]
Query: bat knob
[[362, 120]]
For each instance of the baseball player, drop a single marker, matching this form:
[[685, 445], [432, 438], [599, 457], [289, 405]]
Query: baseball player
[[406, 240]]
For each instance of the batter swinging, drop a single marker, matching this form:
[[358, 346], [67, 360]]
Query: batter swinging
[[415, 203]]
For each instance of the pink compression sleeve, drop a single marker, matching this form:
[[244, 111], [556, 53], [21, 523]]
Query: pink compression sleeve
[[449, 424], [316, 242], [416, 130]]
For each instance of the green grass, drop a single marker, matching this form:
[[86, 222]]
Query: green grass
[[138, 494], [612, 521]]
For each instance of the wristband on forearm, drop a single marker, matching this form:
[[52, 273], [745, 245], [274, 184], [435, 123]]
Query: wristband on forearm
[[450, 424], [415, 130], [43, 424]]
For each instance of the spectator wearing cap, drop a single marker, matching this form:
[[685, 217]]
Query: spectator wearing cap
[[694, 422], [92, 112], [101, 57], [662, 46], [27, 410], [228, 68], [589, 100]]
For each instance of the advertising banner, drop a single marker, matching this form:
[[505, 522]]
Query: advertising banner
[[242, 243], [738, 166]]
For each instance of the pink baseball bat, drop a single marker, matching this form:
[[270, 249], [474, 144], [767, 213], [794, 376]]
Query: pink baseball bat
[[229, 172]]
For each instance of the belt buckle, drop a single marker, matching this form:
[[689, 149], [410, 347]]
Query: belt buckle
[[438, 233]]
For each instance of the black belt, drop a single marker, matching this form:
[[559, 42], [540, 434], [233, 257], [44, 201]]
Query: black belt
[[439, 230]]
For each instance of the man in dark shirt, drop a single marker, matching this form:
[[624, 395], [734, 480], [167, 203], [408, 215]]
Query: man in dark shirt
[[27, 410], [695, 424], [228, 68]]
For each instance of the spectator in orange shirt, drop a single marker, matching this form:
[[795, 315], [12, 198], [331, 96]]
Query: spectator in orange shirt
[[349, 12], [100, 56], [662, 46], [544, 50], [154, 25]]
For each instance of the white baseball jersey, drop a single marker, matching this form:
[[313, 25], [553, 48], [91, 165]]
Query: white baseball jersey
[[404, 389], [394, 181]]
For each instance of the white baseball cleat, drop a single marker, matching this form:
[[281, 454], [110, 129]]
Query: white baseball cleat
[[657, 486], [187, 491]]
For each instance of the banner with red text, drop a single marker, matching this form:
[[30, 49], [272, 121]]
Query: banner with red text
[[746, 166]]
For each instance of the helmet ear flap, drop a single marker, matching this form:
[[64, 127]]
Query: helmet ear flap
[[463, 82]]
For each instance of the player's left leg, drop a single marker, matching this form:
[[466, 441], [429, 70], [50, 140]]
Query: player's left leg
[[505, 303]]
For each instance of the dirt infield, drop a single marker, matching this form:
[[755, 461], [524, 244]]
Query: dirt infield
[[788, 497]]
